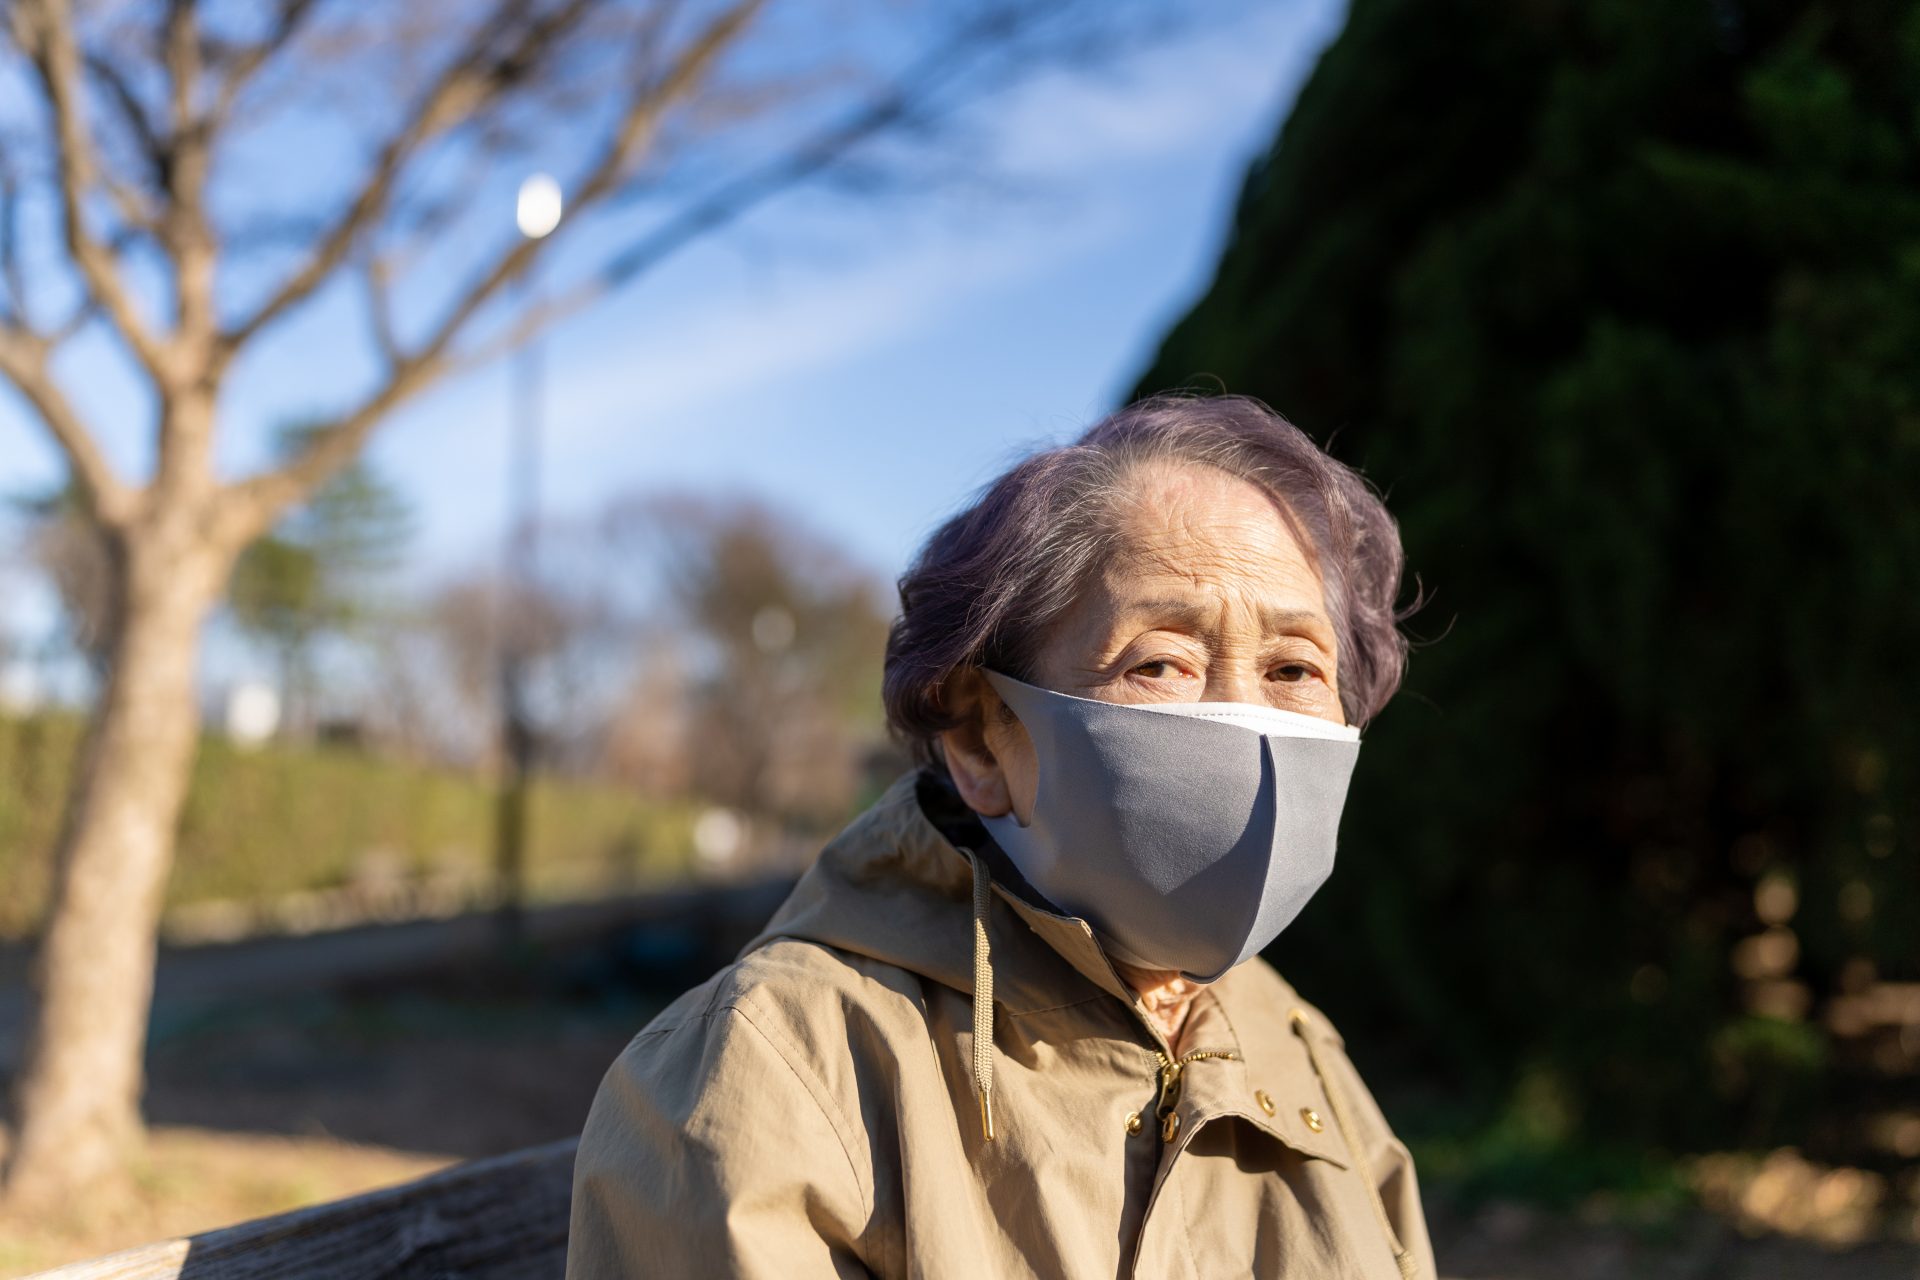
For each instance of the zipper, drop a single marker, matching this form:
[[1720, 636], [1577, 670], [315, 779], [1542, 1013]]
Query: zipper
[[1172, 1077]]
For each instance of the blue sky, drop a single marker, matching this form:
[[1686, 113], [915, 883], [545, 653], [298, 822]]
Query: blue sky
[[866, 367]]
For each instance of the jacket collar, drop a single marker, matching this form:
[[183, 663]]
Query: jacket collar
[[896, 886]]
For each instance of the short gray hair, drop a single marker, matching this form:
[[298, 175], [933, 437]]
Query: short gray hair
[[988, 585]]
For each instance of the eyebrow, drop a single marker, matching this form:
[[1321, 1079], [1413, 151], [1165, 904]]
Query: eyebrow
[[1191, 613]]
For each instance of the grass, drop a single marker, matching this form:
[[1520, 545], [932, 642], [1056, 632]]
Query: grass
[[285, 819]]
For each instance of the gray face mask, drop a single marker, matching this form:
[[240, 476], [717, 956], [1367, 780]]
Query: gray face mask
[[1187, 834]]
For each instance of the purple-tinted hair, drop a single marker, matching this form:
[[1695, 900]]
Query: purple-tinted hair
[[988, 585]]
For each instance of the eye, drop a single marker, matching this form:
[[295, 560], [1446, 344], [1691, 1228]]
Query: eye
[[1157, 669], [1292, 673]]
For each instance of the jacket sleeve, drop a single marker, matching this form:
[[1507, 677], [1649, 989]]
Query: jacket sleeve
[[709, 1152]]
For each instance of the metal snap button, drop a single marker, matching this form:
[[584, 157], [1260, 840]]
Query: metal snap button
[[1312, 1118], [1169, 1127], [1133, 1123], [1266, 1103]]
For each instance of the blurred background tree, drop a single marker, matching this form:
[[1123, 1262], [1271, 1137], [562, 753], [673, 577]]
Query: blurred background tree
[[782, 670], [1620, 305], [70, 553], [318, 572]]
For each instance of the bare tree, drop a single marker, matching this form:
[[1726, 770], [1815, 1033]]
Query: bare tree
[[687, 643], [67, 548], [575, 642], [786, 634], [551, 650], [671, 117]]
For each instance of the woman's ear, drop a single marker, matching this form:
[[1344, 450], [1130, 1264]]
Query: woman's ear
[[978, 774]]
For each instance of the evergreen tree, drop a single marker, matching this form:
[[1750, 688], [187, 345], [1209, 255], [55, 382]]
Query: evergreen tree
[[315, 574], [1619, 303]]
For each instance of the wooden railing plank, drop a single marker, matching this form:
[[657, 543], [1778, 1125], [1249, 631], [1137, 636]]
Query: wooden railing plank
[[498, 1219]]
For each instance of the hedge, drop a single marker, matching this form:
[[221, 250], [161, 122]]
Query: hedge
[[284, 819]]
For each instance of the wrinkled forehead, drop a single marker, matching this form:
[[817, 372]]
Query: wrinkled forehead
[[1197, 524], [1197, 546]]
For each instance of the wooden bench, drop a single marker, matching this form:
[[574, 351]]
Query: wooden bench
[[498, 1219]]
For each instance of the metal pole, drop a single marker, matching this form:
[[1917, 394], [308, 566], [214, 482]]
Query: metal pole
[[519, 739]]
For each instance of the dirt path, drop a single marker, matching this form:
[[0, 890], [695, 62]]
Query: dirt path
[[190, 980]]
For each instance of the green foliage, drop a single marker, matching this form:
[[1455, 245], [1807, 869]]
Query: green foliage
[[314, 575], [260, 824], [276, 591], [1619, 303], [1531, 1151]]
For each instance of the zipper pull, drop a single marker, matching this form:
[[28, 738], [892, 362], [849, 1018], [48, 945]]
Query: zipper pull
[[1171, 1077], [1173, 1074]]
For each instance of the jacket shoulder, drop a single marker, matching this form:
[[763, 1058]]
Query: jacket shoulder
[[837, 1022], [684, 1165], [794, 984], [1260, 983], [790, 1018]]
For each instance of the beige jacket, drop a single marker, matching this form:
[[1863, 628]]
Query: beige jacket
[[821, 1107]]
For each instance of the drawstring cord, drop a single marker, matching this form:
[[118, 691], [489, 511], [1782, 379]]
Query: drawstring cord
[[1402, 1258], [982, 992], [1171, 1069]]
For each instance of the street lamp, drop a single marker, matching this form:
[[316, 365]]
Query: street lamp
[[536, 213]]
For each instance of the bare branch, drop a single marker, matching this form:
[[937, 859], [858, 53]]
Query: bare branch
[[73, 324], [471, 79], [182, 62], [188, 160], [130, 203], [533, 322], [45, 29], [269, 233], [152, 149], [253, 504], [897, 105], [10, 273], [416, 220], [133, 112], [23, 360], [376, 281], [909, 102], [245, 63], [248, 508], [733, 200]]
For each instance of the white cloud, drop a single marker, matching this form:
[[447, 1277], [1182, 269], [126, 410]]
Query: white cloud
[[807, 318], [801, 321]]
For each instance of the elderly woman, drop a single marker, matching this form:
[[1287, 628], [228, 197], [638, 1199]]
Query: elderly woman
[[1012, 1022]]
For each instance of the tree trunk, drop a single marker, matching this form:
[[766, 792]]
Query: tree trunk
[[77, 1098]]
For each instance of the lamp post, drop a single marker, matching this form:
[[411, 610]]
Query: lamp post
[[537, 213]]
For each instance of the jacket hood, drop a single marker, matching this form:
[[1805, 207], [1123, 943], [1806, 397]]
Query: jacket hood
[[898, 888]]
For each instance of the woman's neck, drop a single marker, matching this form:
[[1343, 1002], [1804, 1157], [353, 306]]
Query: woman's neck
[[1167, 996]]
